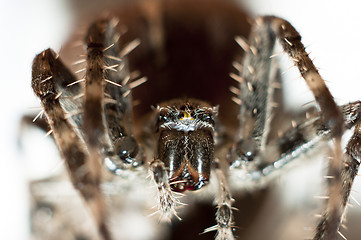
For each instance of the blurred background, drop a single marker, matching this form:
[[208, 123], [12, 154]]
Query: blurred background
[[331, 32]]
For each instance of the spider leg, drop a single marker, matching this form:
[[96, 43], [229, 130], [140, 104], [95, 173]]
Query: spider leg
[[224, 216], [167, 200], [117, 100], [256, 92], [294, 142], [259, 94], [350, 165], [255, 125], [256, 95], [308, 135], [83, 170], [330, 114], [107, 107]]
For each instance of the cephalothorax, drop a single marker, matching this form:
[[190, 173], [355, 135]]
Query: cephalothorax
[[186, 142], [185, 128]]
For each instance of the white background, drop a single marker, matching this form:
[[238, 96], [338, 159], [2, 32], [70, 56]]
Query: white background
[[331, 31]]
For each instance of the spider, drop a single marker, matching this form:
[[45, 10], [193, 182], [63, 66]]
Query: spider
[[179, 124]]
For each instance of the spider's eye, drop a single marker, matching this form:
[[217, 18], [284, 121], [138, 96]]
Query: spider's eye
[[126, 148], [163, 117], [185, 116], [205, 117], [246, 150]]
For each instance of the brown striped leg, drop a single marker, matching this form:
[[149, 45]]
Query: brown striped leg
[[258, 79], [167, 200], [330, 114], [94, 87], [259, 99], [224, 215], [119, 82], [275, 28], [350, 166], [83, 169], [304, 137], [107, 107], [290, 40]]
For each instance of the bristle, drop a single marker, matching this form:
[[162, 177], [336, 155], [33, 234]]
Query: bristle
[[137, 82], [111, 45], [130, 47], [111, 82], [113, 58], [237, 100], [46, 79], [235, 90], [76, 82], [236, 77], [341, 235], [79, 61], [237, 66], [40, 114], [253, 50], [112, 68], [242, 43], [80, 70], [126, 80]]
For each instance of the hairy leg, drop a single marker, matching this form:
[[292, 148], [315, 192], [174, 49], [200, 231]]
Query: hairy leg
[[83, 170], [255, 81]]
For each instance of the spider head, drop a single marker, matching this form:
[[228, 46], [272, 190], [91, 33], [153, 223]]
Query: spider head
[[185, 131]]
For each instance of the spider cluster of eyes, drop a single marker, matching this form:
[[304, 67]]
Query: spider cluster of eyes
[[186, 118]]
